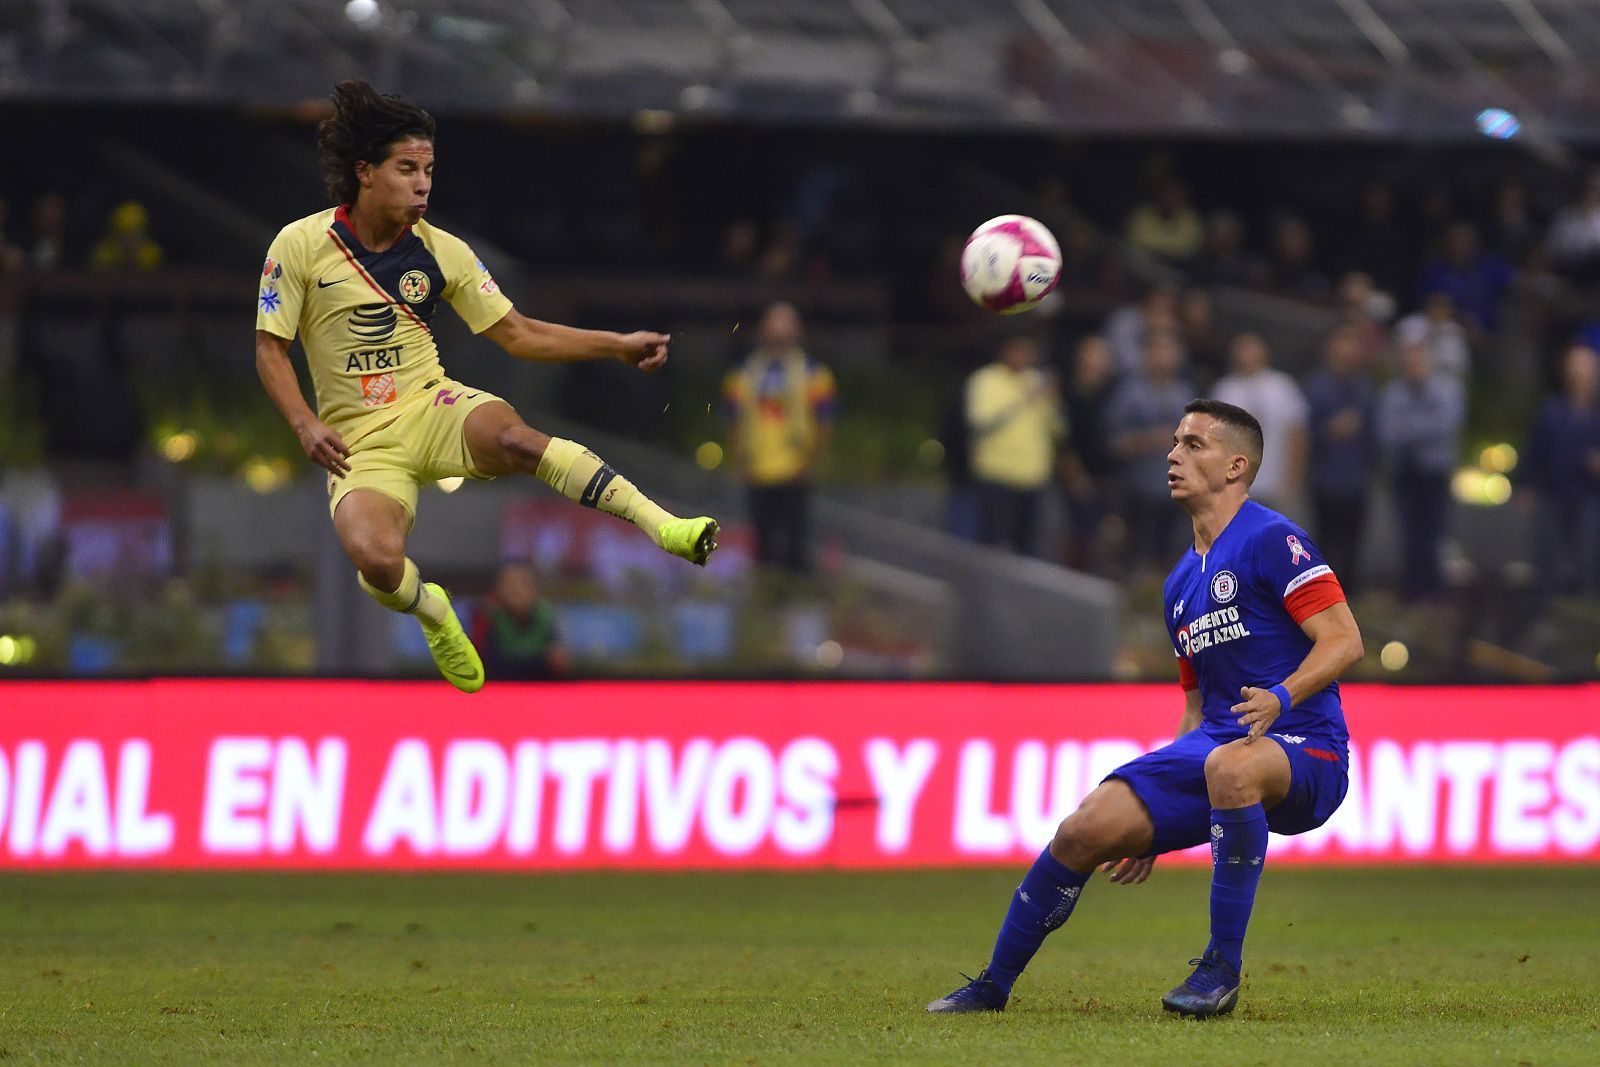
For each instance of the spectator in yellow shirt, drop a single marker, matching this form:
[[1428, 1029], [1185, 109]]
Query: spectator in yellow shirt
[[781, 402], [1014, 420], [1167, 225], [127, 245]]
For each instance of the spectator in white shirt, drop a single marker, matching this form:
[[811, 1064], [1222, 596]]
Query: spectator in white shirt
[[1574, 239], [1129, 328], [1279, 405], [1436, 327], [1420, 418]]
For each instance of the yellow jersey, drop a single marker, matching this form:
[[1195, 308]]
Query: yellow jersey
[[1015, 421], [363, 317], [780, 401]]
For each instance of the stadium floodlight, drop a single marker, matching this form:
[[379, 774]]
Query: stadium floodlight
[[362, 12]]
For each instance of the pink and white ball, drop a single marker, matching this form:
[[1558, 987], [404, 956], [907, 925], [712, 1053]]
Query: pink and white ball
[[1010, 264]]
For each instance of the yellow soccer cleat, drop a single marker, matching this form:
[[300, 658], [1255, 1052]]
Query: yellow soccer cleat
[[690, 539], [452, 649]]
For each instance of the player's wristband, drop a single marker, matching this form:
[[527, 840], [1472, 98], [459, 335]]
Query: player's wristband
[[1281, 691]]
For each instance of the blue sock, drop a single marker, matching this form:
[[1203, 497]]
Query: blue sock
[[1041, 903], [1238, 848]]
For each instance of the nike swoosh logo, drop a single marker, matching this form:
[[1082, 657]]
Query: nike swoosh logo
[[596, 486], [323, 285]]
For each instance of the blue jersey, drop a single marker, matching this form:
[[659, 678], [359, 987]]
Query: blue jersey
[[1234, 615]]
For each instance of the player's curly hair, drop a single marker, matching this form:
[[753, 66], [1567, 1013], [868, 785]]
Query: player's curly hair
[[364, 124]]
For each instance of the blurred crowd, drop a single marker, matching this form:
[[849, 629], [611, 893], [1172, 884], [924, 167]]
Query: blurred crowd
[[40, 242], [1436, 308], [1098, 437], [1420, 333], [1097, 432]]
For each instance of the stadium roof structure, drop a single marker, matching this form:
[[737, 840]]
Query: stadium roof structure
[[1359, 68]]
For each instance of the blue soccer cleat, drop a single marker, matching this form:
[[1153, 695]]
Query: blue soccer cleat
[[1213, 989], [979, 994]]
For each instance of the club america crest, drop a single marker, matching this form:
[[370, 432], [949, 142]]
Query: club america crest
[[414, 287]]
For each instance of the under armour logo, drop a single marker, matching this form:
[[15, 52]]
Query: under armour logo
[[1177, 609]]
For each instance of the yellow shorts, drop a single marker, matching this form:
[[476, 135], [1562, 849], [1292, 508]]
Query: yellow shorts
[[426, 441]]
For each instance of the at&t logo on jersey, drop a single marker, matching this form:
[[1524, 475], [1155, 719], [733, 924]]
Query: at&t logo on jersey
[[373, 322], [1224, 587]]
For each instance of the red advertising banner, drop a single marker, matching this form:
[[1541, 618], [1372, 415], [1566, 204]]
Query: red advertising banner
[[323, 774]]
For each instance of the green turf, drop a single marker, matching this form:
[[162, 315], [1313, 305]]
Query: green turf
[[1348, 967]]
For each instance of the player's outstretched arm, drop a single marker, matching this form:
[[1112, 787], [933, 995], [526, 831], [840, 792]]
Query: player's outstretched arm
[[550, 342], [321, 444], [1335, 648]]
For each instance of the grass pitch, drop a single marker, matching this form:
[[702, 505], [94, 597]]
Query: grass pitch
[[1395, 966]]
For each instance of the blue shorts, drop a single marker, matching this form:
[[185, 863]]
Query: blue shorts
[[1172, 783]]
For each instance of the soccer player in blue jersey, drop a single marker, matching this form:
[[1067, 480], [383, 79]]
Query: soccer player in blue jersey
[[1262, 632]]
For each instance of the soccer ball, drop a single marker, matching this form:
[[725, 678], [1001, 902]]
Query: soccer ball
[[1010, 263]]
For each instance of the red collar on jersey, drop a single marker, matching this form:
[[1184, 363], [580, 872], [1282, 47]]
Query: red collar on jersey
[[342, 215]]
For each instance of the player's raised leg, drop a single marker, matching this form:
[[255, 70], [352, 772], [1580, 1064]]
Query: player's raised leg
[[1111, 824], [372, 528], [501, 443], [1243, 780]]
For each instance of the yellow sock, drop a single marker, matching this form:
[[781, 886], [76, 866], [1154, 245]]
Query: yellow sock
[[412, 598], [580, 475]]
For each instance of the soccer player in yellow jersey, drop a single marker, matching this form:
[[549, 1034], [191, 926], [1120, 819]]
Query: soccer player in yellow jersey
[[359, 284]]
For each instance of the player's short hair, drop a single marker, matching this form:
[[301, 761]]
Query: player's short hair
[[1236, 418], [363, 125]]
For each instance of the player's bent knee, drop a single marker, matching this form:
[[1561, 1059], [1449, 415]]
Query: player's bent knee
[[1082, 841], [380, 557], [1231, 777], [1070, 849], [1112, 823]]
